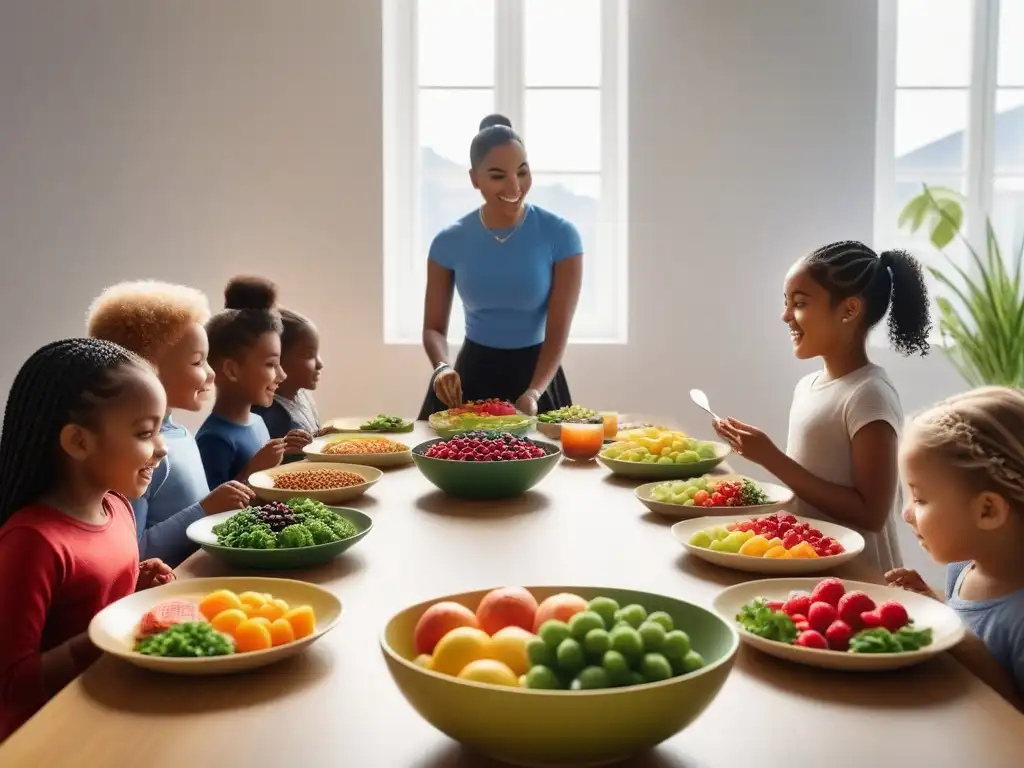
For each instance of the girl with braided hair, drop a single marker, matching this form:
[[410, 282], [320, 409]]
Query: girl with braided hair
[[841, 457], [962, 462], [163, 323], [81, 433]]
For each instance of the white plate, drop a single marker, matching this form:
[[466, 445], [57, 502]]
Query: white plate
[[947, 629], [779, 495], [352, 424], [263, 482], [113, 629], [314, 452], [852, 542]]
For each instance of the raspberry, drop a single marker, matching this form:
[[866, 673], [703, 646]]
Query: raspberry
[[811, 639], [821, 616], [852, 605], [799, 604], [838, 635], [893, 616], [828, 591]]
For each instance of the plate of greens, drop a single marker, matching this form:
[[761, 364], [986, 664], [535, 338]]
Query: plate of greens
[[839, 624], [301, 533], [381, 423]]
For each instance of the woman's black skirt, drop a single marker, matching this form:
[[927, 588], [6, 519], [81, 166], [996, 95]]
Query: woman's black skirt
[[503, 373]]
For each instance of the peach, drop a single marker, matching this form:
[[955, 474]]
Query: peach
[[506, 607], [562, 607], [437, 621]]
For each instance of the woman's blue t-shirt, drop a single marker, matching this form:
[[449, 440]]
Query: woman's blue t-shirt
[[505, 287]]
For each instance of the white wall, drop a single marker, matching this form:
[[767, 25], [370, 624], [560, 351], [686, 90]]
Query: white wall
[[192, 140]]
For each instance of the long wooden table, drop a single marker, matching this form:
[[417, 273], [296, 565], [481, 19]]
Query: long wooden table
[[336, 705]]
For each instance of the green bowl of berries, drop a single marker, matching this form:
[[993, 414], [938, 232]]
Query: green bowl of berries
[[301, 533], [485, 465], [525, 675]]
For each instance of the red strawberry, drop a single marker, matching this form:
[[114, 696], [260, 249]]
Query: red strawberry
[[838, 635], [798, 617], [893, 615], [787, 518], [828, 591], [791, 539], [774, 605], [812, 639], [801, 626], [821, 616], [799, 604], [852, 605], [871, 619], [836, 549]]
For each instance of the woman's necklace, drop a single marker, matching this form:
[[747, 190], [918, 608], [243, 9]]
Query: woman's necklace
[[480, 211]]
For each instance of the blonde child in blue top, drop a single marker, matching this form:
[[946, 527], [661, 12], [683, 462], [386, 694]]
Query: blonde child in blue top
[[962, 462], [841, 457]]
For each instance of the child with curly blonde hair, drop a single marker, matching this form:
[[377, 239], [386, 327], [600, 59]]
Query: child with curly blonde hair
[[163, 323], [962, 462]]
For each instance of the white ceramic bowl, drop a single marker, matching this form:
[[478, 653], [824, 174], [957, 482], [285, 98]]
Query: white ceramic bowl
[[113, 629], [852, 542], [779, 495], [315, 452], [263, 482], [947, 629]]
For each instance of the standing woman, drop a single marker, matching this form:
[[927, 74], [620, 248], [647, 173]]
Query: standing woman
[[518, 270]]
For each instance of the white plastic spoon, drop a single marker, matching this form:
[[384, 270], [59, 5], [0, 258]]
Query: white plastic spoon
[[698, 397]]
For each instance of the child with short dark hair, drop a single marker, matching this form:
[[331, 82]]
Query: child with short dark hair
[[164, 324], [245, 352], [963, 464], [841, 457], [81, 433]]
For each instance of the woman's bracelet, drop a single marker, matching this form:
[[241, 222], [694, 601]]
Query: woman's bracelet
[[533, 394]]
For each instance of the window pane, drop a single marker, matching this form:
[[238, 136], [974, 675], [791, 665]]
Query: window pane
[[563, 42], [563, 130], [448, 121], [930, 128], [1011, 42], [933, 42], [1009, 149], [456, 42], [1008, 213]]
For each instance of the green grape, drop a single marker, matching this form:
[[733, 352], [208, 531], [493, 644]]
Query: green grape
[[604, 607], [655, 667], [583, 622], [616, 666], [653, 635], [664, 619], [633, 614], [541, 678], [540, 653], [570, 657], [627, 641], [594, 678], [676, 645], [706, 451], [635, 678], [597, 642], [692, 662], [700, 538], [553, 632]]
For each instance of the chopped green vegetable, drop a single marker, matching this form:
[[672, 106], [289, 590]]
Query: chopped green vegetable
[[751, 494], [305, 523], [190, 639], [295, 536], [881, 640], [758, 619], [382, 422]]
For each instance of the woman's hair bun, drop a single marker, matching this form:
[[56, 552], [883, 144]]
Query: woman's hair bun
[[244, 292], [495, 119]]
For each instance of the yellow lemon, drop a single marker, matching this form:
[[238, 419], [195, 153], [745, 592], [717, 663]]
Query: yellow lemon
[[489, 671], [508, 646], [458, 648]]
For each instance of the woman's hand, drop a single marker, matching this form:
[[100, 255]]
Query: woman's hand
[[153, 573], [911, 581], [448, 387], [747, 441], [527, 403]]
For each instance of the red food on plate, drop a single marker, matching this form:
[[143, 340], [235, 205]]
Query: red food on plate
[[165, 615]]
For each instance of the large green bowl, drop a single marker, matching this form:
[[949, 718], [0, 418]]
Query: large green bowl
[[201, 532], [640, 470], [561, 728], [486, 479]]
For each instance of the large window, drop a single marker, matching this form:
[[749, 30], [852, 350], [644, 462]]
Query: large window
[[951, 113], [556, 68]]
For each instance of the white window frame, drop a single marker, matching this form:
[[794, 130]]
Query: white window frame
[[401, 201], [979, 137]]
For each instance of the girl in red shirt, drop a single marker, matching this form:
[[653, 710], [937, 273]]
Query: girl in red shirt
[[81, 433]]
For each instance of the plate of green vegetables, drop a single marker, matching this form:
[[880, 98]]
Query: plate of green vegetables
[[300, 533]]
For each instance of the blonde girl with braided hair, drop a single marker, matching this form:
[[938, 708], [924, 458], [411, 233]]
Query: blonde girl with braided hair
[[962, 462]]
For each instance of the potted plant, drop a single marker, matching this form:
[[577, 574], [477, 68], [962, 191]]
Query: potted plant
[[982, 323]]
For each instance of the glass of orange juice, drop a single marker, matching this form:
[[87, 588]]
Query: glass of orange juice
[[611, 424], [582, 442]]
